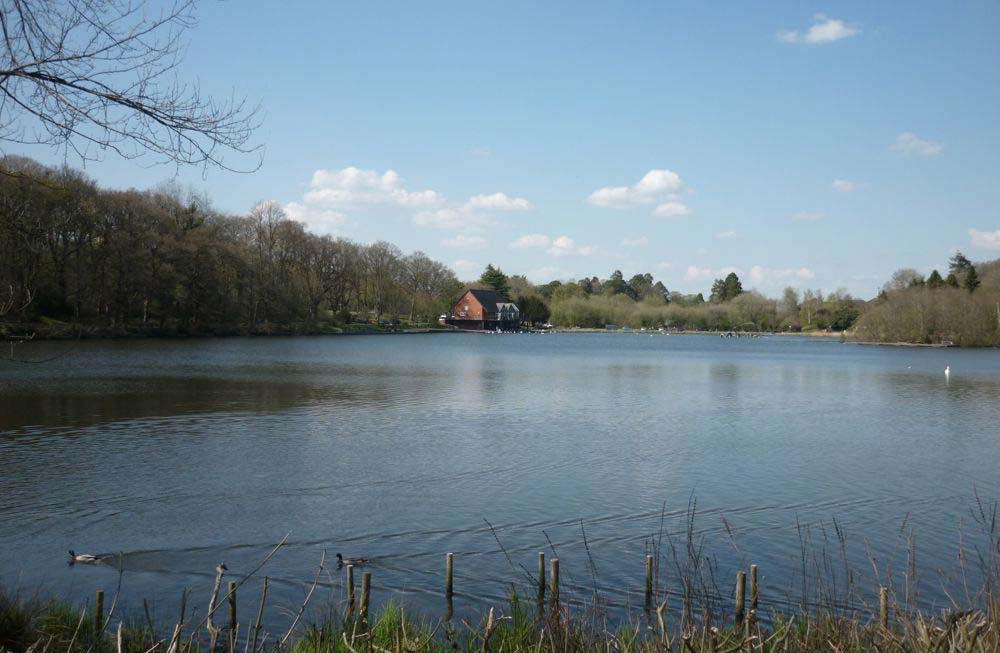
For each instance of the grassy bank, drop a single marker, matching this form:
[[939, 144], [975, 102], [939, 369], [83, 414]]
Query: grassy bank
[[30, 624]]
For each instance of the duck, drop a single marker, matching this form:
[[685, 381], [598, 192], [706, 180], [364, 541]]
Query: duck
[[355, 562], [86, 558]]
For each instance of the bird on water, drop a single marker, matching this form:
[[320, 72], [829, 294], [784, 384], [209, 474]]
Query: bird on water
[[947, 371], [87, 558], [357, 562]]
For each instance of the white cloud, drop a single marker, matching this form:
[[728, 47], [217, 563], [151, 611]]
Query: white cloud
[[641, 241], [531, 240], [462, 266], [847, 186], [823, 30], [355, 187], [498, 202], [665, 265], [451, 218], [565, 246], [661, 187], [724, 272], [465, 242], [320, 221], [671, 210], [560, 246], [910, 144], [807, 216], [332, 194], [725, 234], [764, 276], [694, 273], [985, 239]]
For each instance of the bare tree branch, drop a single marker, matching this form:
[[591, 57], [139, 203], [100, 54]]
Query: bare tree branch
[[96, 75]]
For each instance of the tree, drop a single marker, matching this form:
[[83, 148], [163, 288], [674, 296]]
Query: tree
[[903, 278], [88, 75], [495, 279], [971, 279], [935, 280], [959, 264], [952, 280], [533, 309], [725, 289]]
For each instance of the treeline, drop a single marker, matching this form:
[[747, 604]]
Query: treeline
[[962, 308], [74, 256], [642, 301]]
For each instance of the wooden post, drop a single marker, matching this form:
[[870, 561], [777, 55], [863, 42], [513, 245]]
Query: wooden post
[[741, 590], [649, 581], [883, 607], [98, 614], [449, 569], [554, 580], [350, 591], [754, 588], [366, 586], [232, 611], [541, 575]]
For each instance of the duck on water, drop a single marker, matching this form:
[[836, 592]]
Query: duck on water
[[355, 562], [88, 558]]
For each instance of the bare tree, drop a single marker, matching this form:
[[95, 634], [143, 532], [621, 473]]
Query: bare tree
[[93, 75]]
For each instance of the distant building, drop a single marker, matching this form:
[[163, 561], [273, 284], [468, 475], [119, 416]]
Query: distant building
[[485, 310]]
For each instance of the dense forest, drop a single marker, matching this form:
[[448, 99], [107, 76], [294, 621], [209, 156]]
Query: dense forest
[[962, 308], [79, 260]]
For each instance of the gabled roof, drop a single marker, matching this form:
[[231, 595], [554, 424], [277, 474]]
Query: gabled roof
[[490, 299]]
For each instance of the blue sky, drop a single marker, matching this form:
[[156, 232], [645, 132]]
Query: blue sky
[[567, 139]]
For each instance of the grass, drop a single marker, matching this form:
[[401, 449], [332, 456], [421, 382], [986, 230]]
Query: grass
[[834, 608]]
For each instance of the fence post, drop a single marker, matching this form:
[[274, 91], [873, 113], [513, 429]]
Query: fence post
[[741, 590], [554, 580], [649, 581], [449, 568], [98, 614], [232, 611], [366, 585], [541, 576], [350, 591]]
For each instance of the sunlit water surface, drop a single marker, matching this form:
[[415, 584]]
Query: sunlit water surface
[[184, 454]]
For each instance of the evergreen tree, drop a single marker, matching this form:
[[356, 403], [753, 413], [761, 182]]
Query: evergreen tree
[[958, 264], [935, 280], [971, 279], [495, 279], [952, 280]]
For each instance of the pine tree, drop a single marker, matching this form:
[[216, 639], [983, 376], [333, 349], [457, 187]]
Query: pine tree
[[495, 279], [952, 280], [971, 279], [935, 280], [959, 264]]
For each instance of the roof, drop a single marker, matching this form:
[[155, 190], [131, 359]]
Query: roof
[[490, 299]]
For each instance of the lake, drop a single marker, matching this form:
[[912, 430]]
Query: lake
[[185, 453]]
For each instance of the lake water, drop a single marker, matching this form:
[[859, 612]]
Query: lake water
[[183, 454]]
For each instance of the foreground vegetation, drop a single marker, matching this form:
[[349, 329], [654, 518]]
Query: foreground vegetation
[[687, 607]]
